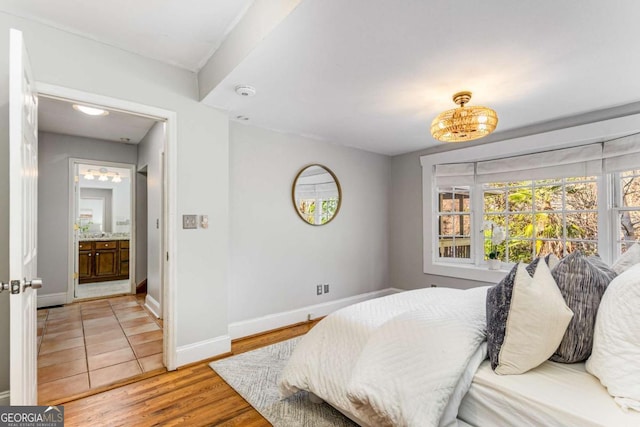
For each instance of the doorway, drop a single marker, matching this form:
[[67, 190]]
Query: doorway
[[100, 226], [103, 196]]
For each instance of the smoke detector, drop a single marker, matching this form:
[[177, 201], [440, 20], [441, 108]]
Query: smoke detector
[[245, 90]]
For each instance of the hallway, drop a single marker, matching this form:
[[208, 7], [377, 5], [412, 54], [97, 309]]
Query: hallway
[[88, 345]]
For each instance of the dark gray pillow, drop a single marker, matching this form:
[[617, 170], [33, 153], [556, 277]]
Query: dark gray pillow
[[582, 281], [498, 305]]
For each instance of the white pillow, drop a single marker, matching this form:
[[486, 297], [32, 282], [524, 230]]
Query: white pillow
[[537, 320], [615, 358], [628, 259]]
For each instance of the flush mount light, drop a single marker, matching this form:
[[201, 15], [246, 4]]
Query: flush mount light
[[245, 90], [464, 123], [91, 111]]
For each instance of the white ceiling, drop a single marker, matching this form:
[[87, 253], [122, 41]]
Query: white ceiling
[[180, 32], [372, 74], [58, 116]]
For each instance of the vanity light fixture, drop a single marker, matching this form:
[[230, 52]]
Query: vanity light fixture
[[103, 174], [91, 111]]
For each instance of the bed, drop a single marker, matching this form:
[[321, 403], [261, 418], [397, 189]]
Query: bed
[[417, 358], [553, 394]]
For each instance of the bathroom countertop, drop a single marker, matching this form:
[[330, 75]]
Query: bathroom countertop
[[103, 238]]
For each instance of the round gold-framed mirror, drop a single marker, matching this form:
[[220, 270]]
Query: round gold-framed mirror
[[316, 194]]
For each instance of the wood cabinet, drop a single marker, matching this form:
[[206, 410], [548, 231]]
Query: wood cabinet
[[103, 260]]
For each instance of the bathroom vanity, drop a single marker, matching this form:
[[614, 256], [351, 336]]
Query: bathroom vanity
[[102, 259]]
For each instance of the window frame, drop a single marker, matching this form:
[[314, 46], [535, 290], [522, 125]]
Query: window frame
[[617, 207], [562, 138], [563, 212], [436, 228]]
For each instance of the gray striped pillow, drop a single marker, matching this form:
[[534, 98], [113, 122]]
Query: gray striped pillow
[[582, 281]]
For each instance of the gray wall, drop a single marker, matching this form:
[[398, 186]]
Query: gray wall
[[75, 62], [54, 151], [149, 151], [141, 229], [405, 242], [277, 259]]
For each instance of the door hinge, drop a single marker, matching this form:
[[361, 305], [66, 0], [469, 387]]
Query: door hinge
[[76, 227], [167, 256], [76, 275]]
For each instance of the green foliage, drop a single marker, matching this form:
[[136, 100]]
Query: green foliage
[[532, 214]]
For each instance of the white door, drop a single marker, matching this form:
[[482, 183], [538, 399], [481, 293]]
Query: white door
[[23, 211]]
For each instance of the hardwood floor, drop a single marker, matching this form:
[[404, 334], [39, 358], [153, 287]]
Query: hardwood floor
[[193, 395]]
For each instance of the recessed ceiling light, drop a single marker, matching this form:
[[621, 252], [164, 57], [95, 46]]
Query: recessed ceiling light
[[242, 117], [91, 111]]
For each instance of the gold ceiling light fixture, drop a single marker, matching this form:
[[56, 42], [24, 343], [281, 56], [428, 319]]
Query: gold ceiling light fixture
[[464, 123]]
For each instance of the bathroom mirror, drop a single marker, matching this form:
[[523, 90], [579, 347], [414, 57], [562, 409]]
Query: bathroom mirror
[[316, 194]]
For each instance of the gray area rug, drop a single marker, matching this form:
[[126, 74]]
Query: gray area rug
[[254, 375]]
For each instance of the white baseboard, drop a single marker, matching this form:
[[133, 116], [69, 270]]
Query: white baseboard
[[5, 398], [248, 327], [202, 350], [152, 305], [49, 300]]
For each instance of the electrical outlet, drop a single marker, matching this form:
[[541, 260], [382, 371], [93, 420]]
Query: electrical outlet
[[319, 290], [326, 288], [189, 221]]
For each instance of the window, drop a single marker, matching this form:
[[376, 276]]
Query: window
[[551, 216], [557, 200], [308, 208], [628, 208], [454, 223]]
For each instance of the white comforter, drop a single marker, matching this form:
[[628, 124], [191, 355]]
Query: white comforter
[[402, 360]]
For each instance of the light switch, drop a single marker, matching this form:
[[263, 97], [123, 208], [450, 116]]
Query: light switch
[[189, 221], [204, 221]]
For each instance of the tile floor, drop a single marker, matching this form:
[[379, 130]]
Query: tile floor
[[87, 345]]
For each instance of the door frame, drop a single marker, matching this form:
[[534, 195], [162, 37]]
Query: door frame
[[74, 196], [169, 270]]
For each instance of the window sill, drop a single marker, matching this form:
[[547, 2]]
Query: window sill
[[478, 273]]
